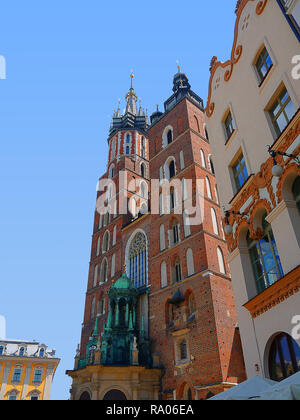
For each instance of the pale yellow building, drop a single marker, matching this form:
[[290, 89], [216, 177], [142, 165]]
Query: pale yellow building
[[27, 369]]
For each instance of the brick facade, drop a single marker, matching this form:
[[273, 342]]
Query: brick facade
[[205, 317]]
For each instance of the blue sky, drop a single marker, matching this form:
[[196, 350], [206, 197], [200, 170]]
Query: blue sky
[[68, 63]]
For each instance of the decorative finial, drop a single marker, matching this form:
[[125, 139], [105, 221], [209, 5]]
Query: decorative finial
[[132, 77], [124, 269], [178, 66]]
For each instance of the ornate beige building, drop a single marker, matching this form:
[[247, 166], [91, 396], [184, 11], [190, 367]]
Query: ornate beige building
[[253, 121]]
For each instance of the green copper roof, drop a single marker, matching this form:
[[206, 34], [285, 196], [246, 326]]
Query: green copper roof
[[123, 283]]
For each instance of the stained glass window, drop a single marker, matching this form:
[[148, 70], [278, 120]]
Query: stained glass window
[[138, 260]]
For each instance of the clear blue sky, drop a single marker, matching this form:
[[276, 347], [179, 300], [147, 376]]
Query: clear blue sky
[[68, 63]]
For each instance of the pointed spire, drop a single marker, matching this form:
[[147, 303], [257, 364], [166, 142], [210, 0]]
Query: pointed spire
[[131, 99], [119, 109], [141, 112]]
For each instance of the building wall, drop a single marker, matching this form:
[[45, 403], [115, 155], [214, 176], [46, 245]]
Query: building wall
[[234, 85]]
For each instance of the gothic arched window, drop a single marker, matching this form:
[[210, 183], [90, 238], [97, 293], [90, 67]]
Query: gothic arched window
[[138, 260], [170, 136], [143, 170]]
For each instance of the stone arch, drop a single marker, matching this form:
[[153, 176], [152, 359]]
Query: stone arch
[[183, 392], [256, 216], [167, 167], [165, 139], [285, 183], [85, 395], [116, 388]]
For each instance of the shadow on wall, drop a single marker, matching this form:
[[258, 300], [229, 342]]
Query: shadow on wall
[[236, 360]]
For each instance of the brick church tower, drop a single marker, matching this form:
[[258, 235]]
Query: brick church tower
[[184, 307]]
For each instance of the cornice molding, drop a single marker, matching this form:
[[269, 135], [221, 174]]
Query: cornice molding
[[279, 292]]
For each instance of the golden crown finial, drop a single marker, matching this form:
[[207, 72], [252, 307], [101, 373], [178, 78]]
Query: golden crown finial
[[124, 268]]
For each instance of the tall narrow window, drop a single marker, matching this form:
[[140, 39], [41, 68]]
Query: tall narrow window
[[95, 276], [98, 246], [143, 170], [240, 172], [170, 136], [229, 126], [175, 233], [114, 236], [208, 188], [21, 352], [221, 261], [263, 64], [104, 271], [190, 262], [93, 307], [282, 111], [296, 192], [162, 238], [42, 352], [212, 168], [105, 243], [172, 198], [265, 260], [164, 280], [1, 350], [177, 272], [214, 222], [186, 224], [203, 162], [138, 260], [143, 148], [113, 266], [172, 169]]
